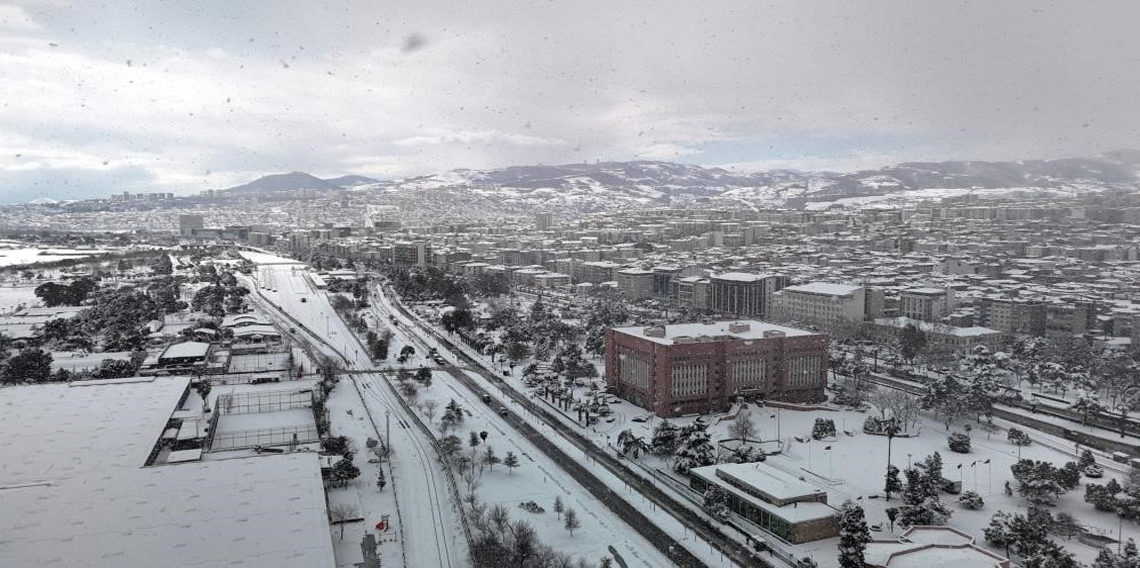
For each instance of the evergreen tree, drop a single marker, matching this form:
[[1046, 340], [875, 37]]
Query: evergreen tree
[[344, 471], [1037, 481], [558, 506], [893, 485], [511, 461], [665, 439], [697, 450], [853, 535], [571, 521], [716, 502], [1086, 459]]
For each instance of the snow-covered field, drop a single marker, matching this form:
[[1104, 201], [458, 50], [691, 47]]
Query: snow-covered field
[[12, 254], [12, 297]]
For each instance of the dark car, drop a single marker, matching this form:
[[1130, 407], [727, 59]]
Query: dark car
[[502, 411]]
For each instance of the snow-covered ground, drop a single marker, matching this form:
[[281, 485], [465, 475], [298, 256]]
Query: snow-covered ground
[[13, 297], [680, 532], [856, 465], [20, 254]]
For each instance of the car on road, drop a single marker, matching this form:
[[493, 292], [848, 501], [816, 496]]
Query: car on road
[[487, 398], [638, 419], [502, 411]]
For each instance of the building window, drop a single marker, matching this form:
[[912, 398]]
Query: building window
[[803, 371], [689, 380], [749, 371], [633, 371]]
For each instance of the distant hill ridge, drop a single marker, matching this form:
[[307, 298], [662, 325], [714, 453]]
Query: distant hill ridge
[[644, 182]]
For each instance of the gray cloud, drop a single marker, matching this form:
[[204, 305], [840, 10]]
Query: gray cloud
[[397, 89]]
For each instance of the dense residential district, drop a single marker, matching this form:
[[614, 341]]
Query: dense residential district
[[945, 382]]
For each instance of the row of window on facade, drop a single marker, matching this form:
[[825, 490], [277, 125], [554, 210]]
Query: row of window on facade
[[688, 380]]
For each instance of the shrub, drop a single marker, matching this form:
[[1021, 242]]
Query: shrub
[[824, 428], [959, 442], [971, 500]]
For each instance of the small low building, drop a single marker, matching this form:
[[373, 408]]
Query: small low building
[[772, 500], [187, 357], [939, 334]]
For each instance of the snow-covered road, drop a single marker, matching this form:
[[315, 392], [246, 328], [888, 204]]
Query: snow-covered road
[[428, 516]]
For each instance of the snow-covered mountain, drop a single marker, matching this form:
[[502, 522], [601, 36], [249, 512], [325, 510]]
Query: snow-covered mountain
[[580, 188], [610, 185]]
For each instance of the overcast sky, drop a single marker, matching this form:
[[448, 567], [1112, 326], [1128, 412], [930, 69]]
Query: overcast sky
[[101, 97]]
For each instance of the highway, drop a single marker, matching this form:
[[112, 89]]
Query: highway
[[433, 535]]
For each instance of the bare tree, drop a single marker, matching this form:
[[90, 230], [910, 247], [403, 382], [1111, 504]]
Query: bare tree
[[341, 513], [743, 427], [429, 406]]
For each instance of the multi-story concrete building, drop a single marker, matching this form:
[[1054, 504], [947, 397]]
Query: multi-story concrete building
[[635, 283], [822, 303], [926, 304], [543, 220], [693, 291], [1009, 315], [595, 272], [742, 294], [689, 368], [663, 277], [410, 253]]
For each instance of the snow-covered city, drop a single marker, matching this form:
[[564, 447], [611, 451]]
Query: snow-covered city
[[570, 284]]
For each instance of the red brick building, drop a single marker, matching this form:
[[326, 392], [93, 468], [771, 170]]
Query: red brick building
[[698, 368]]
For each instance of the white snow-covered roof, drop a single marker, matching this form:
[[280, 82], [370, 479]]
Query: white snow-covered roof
[[768, 480], [825, 289], [927, 327], [185, 349], [258, 511], [925, 291], [243, 319], [256, 330], [70, 430], [755, 330], [740, 276], [931, 547], [793, 513]]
